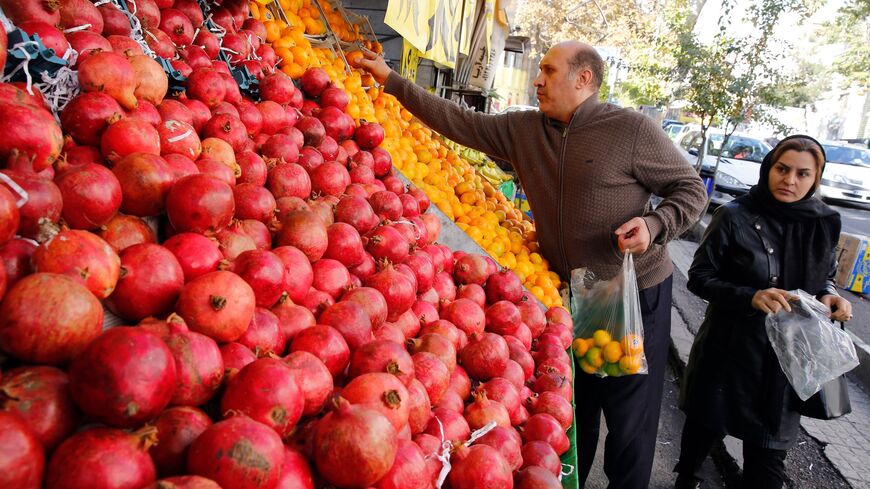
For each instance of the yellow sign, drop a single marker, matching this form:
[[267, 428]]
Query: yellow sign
[[435, 27], [410, 61]]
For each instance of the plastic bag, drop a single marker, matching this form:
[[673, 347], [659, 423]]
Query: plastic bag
[[810, 349], [608, 325]]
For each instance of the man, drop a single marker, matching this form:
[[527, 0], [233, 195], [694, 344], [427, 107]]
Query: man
[[588, 170]]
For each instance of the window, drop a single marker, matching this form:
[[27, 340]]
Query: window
[[848, 155], [686, 142], [738, 147]]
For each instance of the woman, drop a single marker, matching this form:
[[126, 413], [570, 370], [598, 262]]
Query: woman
[[778, 237]]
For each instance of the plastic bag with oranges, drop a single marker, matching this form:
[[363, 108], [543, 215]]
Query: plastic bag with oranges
[[608, 325]]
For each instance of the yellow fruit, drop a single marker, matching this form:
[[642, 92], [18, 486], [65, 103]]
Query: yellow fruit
[[601, 338], [580, 347], [612, 352], [630, 364], [589, 369], [594, 357]]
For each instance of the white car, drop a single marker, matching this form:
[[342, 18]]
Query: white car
[[847, 173]]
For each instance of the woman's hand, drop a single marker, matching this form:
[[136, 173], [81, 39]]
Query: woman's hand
[[772, 300], [841, 309], [374, 64]]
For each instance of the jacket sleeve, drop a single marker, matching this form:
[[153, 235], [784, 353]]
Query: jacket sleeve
[[483, 132], [705, 274], [830, 284], [659, 166]]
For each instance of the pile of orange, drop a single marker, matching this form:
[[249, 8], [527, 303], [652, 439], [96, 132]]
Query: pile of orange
[[609, 357]]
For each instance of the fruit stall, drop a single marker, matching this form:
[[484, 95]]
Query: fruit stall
[[230, 260]]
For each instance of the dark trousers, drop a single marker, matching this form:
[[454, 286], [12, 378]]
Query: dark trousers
[[763, 468], [631, 404]]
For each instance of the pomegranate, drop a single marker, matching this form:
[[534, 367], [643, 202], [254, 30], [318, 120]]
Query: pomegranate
[[466, 315], [541, 454], [485, 356], [431, 448], [330, 178], [274, 117], [207, 86], [44, 203], [327, 344], [281, 148], [265, 274], [409, 471], [253, 168], [432, 373], [289, 179], [216, 169], [335, 125], [397, 289], [454, 426], [314, 81], [126, 46], [115, 22], [544, 427], [386, 243], [151, 279], [508, 443], [200, 203], [357, 212], [277, 88], [372, 301], [382, 392], [354, 446], [419, 407], [386, 205], [193, 11], [82, 256], [22, 11], [235, 357], [502, 390], [479, 466], [305, 231], [128, 136], [200, 111], [502, 318], [34, 137], [295, 473], [115, 459], [471, 269], [145, 182], [535, 477], [312, 130], [298, 272], [196, 254], [428, 314], [332, 277], [266, 390], [369, 135], [177, 137], [51, 37], [218, 304], [177, 25], [446, 290], [365, 269], [198, 362], [145, 112], [40, 397], [383, 163], [504, 286], [87, 43], [531, 314], [22, 458], [315, 380], [177, 428], [110, 383], [109, 73], [239, 453], [228, 128]]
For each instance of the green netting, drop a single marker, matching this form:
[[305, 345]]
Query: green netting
[[569, 458], [509, 189]]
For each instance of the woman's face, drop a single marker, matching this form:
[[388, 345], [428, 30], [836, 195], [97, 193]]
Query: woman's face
[[792, 176]]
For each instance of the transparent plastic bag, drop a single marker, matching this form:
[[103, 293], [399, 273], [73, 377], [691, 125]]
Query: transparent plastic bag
[[811, 350], [608, 325]]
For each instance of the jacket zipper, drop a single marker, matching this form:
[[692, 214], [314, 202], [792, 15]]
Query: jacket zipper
[[561, 195]]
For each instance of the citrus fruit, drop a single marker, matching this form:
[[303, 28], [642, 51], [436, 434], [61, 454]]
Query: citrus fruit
[[589, 369], [630, 364], [593, 356], [632, 344], [612, 352], [601, 337], [580, 347], [612, 369]]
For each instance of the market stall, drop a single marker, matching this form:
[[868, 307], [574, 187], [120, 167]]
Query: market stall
[[217, 274]]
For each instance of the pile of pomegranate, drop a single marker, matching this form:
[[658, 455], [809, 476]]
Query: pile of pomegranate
[[290, 320]]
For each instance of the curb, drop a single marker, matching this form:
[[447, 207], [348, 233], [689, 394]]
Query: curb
[[861, 373]]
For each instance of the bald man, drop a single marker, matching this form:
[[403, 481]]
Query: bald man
[[588, 170]]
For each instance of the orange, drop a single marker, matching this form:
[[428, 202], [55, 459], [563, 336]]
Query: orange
[[612, 352], [630, 364], [601, 338], [580, 347], [586, 367], [594, 357], [632, 344]]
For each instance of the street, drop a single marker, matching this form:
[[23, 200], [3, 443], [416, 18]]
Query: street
[[856, 220]]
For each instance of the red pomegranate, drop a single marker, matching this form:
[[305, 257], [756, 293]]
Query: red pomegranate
[[448, 425], [382, 392], [354, 446], [22, 458], [196, 254], [432, 373], [109, 73], [122, 231], [212, 198], [177, 428], [298, 272], [88, 115], [369, 135], [238, 452], [315, 380], [485, 356], [151, 279], [544, 427], [44, 202], [396, 288], [198, 363], [305, 231], [437, 345], [40, 397], [235, 357], [466, 315], [409, 471], [296, 472], [274, 117], [145, 182], [264, 334], [326, 344], [332, 277], [289, 179], [207, 86], [218, 304], [357, 212], [382, 356], [91, 195], [264, 272], [479, 466], [508, 443], [109, 381], [386, 205], [19, 11], [82, 256], [266, 390]]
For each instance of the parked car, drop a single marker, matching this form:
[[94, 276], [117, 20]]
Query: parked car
[[677, 134], [847, 173], [673, 129], [738, 168]]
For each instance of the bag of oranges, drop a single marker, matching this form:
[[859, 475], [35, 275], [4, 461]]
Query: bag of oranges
[[608, 326]]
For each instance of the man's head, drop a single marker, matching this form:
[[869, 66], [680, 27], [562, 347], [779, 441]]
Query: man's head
[[571, 72]]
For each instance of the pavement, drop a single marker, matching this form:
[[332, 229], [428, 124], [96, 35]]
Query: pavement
[[829, 454]]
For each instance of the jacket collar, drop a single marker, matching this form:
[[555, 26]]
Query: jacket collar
[[581, 115]]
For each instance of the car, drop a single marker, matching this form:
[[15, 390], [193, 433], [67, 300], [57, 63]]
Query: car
[[738, 167], [678, 133], [847, 173], [673, 129]]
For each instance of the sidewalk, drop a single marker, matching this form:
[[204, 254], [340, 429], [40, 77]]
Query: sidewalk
[[846, 440]]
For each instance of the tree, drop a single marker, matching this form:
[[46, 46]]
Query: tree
[[852, 28]]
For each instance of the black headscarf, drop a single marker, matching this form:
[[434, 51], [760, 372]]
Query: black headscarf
[[811, 228]]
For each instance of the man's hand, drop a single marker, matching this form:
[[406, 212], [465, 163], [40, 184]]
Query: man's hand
[[772, 300], [840, 307], [633, 236], [374, 64]]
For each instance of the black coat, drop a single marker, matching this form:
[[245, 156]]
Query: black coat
[[734, 384]]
